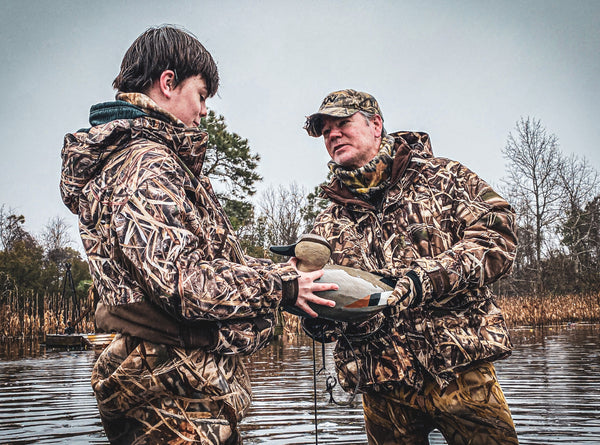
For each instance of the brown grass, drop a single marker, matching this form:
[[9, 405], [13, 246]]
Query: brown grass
[[550, 310], [21, 318], [29, 325], [518, 311]]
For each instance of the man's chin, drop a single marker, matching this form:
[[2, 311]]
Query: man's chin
[[343, 159]]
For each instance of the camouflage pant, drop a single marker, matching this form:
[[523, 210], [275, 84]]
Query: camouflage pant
[[156, 394], [472, 410]]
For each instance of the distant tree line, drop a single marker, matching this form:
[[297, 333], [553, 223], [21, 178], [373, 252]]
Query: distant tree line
[[44, 282], [38, 264]]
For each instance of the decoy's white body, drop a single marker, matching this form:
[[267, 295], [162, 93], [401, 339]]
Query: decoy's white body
[[360, 294]]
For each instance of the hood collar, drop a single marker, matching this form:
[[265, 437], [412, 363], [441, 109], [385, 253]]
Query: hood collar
[[85, 152], [407, 145]]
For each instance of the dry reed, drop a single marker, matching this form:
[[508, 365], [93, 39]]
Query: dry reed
[[518, 311], [550, 310], [32, 318]]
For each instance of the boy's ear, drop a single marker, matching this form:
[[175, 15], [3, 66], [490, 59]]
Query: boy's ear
[[166, 83]]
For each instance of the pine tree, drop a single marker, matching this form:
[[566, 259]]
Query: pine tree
[[229, 162]]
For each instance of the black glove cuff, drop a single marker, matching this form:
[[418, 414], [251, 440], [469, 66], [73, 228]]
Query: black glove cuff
[[418, 297], [289, 292]]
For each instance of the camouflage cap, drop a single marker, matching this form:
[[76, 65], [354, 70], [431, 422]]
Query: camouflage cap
[[342, 103]]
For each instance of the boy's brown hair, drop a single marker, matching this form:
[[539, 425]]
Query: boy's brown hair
[[163, 48]]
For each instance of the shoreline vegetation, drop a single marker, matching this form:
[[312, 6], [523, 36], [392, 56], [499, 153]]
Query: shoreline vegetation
[[526, 311], [534, 311], [25, 322]]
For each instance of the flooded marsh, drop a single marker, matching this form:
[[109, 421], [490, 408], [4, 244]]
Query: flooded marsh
[[551, 382]]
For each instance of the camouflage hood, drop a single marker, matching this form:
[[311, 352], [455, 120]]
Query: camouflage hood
[[162, 253], [114, 125]]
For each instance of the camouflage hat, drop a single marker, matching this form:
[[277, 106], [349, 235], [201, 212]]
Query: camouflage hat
[[342, 103]]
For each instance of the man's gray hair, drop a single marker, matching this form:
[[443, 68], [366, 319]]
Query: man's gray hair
[[368, 116]]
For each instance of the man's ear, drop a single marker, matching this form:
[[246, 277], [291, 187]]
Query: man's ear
[[166, 83], [377, 124]]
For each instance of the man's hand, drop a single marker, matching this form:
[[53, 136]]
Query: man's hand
[[307, 287]]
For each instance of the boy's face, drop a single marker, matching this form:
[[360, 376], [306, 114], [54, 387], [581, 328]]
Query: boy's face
[[188, 101]]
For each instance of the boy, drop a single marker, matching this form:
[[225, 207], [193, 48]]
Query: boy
[[172, 278]]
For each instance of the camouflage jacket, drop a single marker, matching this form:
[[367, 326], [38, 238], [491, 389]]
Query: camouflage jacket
[[162, 254], [440, 220]]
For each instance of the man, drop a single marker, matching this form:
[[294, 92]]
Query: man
[[171, 275], [442, 236]]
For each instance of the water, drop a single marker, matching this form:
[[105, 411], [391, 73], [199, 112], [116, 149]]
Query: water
[[48, 400], [551, 382]]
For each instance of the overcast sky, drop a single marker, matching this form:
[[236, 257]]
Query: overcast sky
[[463, 71]]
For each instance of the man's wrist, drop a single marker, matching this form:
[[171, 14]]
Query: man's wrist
[[410, 289]]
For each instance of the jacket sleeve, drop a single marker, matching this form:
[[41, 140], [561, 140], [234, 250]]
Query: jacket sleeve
[[485, 244], [175, 248]]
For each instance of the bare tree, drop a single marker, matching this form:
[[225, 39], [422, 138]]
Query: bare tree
[[280, 210], [581, 237], [56, 240], [534, 184], [4, 236], [11, 228], [56, 234], [579, 181], [579, 188]]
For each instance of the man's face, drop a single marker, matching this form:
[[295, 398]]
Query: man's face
[[188, 101], [352, 141]]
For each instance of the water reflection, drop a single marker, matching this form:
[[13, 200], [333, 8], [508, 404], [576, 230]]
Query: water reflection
[[48, 399], [551, 382], [283, 409]]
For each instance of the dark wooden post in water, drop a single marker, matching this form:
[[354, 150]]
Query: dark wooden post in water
[[74, 313], [41, 316], [21, 314]]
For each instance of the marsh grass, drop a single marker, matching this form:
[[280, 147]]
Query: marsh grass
[[519, 311], [550, 310]]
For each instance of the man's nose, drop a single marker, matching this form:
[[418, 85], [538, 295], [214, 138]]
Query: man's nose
[[335, 133]]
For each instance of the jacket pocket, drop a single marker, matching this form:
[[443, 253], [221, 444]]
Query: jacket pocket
[[455, 340]]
